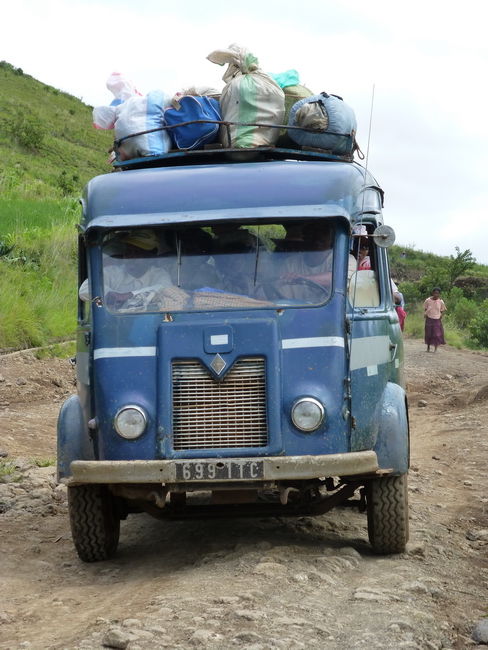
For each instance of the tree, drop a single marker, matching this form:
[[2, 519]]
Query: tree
[[458, 265], [434, 276], [478, 326]]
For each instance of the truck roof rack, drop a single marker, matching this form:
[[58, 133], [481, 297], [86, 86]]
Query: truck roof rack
[[217, 153]]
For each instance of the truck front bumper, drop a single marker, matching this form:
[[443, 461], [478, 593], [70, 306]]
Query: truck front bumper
[[272, 469]]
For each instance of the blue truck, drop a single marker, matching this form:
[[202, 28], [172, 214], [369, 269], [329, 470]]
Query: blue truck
[[232, 357]]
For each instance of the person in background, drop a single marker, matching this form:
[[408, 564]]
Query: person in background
[[434, 310], [399, 303]]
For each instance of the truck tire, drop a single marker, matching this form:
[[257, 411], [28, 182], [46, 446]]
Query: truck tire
[[95, 527], [387, 508]]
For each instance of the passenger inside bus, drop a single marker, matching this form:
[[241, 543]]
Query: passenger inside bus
[[191, 269], [313, 264], [133, 271], [360, 248]]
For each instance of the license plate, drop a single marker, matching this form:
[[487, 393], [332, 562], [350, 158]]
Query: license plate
[[219, 470]]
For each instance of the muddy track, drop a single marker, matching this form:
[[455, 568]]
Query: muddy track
[[257, 584]]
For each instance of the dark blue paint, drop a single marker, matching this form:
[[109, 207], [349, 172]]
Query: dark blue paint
[[248, 191], [74, 442], [172, 195]]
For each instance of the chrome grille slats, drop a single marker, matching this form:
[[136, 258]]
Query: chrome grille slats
[[210, 414]]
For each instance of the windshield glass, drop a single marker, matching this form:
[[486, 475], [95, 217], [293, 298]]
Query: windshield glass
[[220, 266]]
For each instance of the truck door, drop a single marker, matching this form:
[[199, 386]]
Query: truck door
[[374, 347]]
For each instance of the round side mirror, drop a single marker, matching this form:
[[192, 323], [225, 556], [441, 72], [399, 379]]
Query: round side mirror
[[384, 236]]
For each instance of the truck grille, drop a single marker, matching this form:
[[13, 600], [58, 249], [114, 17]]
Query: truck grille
[[208, 414]]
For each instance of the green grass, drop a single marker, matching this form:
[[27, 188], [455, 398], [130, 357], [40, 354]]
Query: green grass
[[45, 462], [454, 336], [9, 473], [49, 150], [48, 145], [414, 324], [63, 350], [38, 277], [26, 219]]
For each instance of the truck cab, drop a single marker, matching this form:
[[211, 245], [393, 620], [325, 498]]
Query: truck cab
[[233, 359]]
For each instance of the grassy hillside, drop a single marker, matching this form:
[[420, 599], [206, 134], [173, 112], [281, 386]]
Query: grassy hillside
[[38, 272], [48, 146], [48, 152]]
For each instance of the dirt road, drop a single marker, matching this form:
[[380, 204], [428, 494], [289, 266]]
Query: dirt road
[[260, 584]]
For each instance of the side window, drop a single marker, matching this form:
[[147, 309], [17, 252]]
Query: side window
[[83, 304], [364, 290]]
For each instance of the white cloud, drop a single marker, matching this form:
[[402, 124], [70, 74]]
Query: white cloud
[[427, 61]]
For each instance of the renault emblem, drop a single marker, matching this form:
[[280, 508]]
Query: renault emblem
[[218, 364]]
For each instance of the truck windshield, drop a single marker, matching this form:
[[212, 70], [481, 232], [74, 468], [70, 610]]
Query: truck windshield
[[220, 266]]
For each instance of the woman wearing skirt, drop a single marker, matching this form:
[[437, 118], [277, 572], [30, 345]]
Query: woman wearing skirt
[[434, 310]]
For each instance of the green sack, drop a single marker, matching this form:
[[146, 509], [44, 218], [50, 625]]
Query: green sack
[[293, 94]]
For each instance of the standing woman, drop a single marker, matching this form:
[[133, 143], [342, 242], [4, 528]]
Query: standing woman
[[434, 310]]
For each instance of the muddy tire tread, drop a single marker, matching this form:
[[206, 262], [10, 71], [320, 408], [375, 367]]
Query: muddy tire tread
[[94, 526], [388, 527]]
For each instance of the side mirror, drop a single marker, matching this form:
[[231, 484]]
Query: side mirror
[[384, 236]]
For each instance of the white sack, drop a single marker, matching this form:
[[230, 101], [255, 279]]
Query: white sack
[[250, 95]]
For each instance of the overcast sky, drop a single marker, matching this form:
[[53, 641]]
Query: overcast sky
[[426, 60]]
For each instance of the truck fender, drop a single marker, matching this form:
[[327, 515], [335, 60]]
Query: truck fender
[[393, 442], [73, 439]]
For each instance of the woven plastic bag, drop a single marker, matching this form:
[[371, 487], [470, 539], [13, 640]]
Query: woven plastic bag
[[142, 113], [249, 96]]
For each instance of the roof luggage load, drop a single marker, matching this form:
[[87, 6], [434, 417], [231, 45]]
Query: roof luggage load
[[249, 96], [143, 114], [256, 116], [217, 152], [333, 120], [193, 119]]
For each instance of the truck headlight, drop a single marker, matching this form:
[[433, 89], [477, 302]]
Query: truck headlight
[[130, 422], [307, 414]]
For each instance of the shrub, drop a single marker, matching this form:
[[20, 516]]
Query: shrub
[[27, 129], [458, 265], [478, 327], [69, 184], [463, 312], [411, 294], [434, 276]]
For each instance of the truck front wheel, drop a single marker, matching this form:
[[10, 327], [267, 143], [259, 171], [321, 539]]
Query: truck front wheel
[[95, 526], [387, 508]]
